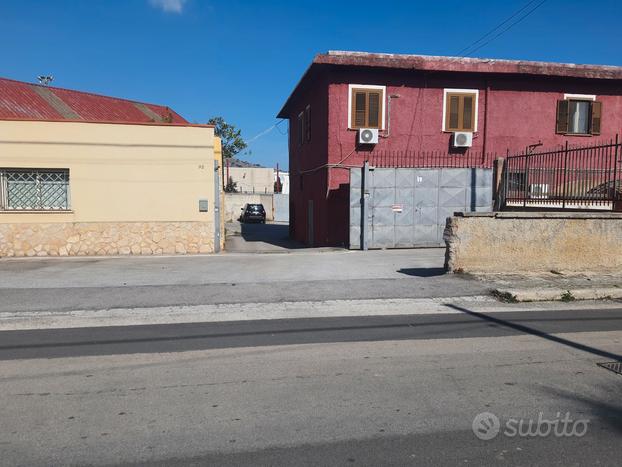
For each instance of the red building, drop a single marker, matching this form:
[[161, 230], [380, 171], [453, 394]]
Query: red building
[[454, 107]]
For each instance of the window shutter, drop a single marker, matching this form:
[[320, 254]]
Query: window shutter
[[562, 117], [453, 112], [308, 123], [374, 110], [597, 110], [360, 107], [467, 113], [300, 129]]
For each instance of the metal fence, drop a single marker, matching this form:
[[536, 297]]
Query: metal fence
[[569, 177], [431, 159], [34, 189]]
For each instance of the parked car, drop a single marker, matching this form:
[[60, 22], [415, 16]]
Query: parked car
[[253, 213]]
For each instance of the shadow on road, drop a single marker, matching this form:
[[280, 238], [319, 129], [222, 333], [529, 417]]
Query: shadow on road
[[259, 238], [536, 332], [607, 412], [423, 272], [273, 234]]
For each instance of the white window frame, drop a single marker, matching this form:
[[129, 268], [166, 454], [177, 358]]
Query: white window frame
[[580, 97], [462, 91], [382, 108]]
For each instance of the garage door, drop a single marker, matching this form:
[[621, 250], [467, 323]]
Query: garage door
[[408, 207]]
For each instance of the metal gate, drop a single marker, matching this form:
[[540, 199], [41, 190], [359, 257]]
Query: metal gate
[[280, 204], [408, 208]]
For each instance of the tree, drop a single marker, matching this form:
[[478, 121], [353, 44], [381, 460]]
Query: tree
[[232, 142], [278, 186], [231, 186]]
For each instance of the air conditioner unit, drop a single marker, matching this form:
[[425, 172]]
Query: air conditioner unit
[[463, 139], [368, 136], [539, 190]]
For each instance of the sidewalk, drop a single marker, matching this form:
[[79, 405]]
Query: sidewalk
[[553, 286], [66, 292]]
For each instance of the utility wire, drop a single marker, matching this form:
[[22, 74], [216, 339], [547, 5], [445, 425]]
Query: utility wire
[[264, 132], [478, 43], [497, 27], [259, 135]]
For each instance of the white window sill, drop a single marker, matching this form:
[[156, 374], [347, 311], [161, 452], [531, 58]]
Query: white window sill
[[36, 211]]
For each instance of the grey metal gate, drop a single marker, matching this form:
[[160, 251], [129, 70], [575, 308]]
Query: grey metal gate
[[408, 207], [280, 205]]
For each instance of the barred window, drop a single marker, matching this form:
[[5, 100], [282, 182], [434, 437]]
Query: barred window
[[37, 190]]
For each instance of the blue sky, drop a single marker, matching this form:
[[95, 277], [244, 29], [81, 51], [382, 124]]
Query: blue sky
[[241, 59]]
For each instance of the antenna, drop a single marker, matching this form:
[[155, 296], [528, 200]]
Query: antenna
[[45, 80]]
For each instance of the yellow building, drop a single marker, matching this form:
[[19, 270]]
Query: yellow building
[[86, 186]]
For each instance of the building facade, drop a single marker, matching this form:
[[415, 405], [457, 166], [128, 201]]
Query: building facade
[[257, 180], [422, 105], [71, 184]]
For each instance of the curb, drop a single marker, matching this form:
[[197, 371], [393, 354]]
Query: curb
[[557, 294]]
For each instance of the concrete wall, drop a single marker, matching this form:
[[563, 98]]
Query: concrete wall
[[534, 242], [284, 176], [234, 202], [119, 174], [253, 179]]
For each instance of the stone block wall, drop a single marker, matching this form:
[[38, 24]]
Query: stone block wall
[[523, 242], [105, 238]]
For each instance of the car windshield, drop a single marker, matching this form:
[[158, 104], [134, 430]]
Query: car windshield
[[255, 207]]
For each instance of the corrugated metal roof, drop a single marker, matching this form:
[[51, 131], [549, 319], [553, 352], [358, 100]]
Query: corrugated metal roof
[[20, 100]]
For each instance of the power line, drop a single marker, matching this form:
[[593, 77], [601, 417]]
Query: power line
[[498, 26], [259, 135], [264, 132], [467, 50], [510, 26]]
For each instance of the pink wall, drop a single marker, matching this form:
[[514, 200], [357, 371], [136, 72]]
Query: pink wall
[[521, 111], [514, 112]]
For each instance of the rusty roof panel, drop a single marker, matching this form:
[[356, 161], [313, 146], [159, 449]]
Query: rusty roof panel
[[32, 101], [56, 103], [18, 100]]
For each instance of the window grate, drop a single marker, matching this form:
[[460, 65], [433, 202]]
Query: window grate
[[23, 190]]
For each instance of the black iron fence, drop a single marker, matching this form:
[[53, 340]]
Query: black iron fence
[[570, 177], [431, 159]]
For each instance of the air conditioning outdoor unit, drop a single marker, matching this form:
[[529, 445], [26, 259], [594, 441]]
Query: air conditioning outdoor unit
[[368, 136], [463, 139], [539, 190]]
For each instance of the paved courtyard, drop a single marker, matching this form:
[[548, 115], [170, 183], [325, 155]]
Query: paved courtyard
[[272, 237]]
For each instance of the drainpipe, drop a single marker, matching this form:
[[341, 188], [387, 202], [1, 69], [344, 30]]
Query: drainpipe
[[392, 96]]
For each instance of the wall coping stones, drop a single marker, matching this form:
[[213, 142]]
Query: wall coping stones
[[542, 215]]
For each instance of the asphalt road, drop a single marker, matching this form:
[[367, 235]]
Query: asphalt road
[[77, 342], [353, 391]]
